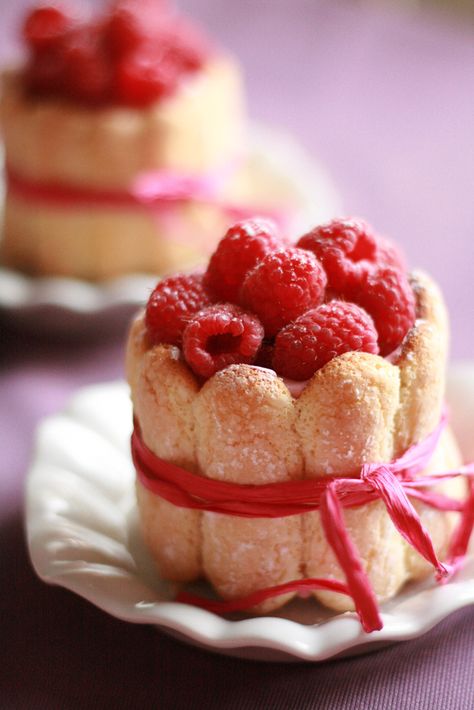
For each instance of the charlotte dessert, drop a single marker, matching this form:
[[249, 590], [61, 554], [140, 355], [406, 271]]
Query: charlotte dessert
[[99, 108], [282, 363]]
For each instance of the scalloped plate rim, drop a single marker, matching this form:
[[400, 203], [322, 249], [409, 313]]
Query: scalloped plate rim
[[310, 642]]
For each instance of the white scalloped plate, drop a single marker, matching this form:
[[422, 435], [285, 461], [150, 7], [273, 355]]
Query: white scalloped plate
[[62, 305], [82, 535]]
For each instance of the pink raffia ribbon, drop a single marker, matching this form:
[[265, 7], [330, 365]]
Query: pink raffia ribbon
[[349, 560], [156, 191], [462, 534], [394, 483], [403, 514]]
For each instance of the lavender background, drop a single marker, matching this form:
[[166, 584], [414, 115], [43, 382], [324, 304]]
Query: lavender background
[[385, 97]]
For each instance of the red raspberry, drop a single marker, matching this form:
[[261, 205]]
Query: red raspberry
[[285, 284], [45, 73], [170, 306], [348, 248], [344, 247], [131, 23], [243, 246], [187, 46], [321, 334], [221, 335], [125, 31], [386, 294], [145, 76], [47, 24], [87, 68]]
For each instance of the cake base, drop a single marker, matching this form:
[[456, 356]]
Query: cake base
[[94, 548]]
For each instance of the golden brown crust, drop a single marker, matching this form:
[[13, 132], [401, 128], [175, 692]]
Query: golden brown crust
[[162, 395], [136, 348], [173, 536], [244, 418], [242, 555], [358, 408], [422, 365], [346, 414], [346, 418]]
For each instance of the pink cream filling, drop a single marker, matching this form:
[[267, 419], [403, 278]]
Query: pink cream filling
[[295, 387]]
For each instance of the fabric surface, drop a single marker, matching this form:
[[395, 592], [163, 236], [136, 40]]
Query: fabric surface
[[385, 98]]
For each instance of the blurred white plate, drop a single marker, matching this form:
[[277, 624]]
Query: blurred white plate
[[65, 306], [82, 535]]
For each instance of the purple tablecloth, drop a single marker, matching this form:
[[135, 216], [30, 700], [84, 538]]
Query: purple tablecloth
[[386, 99]]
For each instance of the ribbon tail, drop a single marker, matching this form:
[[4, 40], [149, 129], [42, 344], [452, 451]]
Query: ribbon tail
[[332, 519], [462, 534], [404, 516], [303, 587]]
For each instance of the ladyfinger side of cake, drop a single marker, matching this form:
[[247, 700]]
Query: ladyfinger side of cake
[[99, 104], [282, 363]]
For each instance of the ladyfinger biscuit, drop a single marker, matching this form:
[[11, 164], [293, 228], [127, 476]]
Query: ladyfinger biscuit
[[137, 345], [345, 418], [164, 393], [245, 434], [422, 364]]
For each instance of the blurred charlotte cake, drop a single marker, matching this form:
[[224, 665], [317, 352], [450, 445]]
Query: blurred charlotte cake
[[284, 363], [106, 115]]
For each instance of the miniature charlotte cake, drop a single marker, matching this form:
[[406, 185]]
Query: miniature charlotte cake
[[121, 135], [288, 405]]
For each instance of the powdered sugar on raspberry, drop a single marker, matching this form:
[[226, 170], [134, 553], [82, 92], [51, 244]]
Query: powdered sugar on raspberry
[[320, 335], [300, 312], [348, 249], [237, 253], [386, 294], [283, 285], [173, 301]]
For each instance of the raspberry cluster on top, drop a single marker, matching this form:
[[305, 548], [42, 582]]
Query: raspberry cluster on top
[[291, 308], [132, 55]]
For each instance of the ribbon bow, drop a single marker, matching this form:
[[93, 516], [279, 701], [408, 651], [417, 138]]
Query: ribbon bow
[[394, 483]]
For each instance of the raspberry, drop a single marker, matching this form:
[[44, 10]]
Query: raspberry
[[321, 334], [144, 76], [243, 246], [87, 68], [131, 23], [187, 46], [125, 31], [221, 335], [344, 247], [386, 294], [134, 55], [285, 284], [348, 248], [45, 74], [170, 306], [45, 25], [265, 354]]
